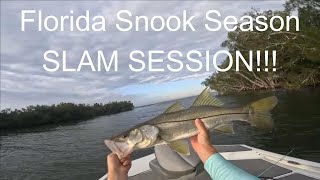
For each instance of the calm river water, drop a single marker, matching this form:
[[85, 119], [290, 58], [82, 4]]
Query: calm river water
[[76, 151]]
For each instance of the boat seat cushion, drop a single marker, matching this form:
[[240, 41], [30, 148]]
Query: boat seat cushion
[[171, 163], [162, 173]]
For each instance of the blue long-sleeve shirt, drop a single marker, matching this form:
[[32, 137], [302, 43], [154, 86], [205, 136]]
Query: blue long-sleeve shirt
[[221, 169]]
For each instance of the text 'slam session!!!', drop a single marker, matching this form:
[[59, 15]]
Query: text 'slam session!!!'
[[159, 61]]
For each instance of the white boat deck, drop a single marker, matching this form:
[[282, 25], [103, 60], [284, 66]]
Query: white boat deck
[[252, 160]]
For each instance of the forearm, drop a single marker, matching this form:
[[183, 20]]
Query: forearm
[[221, 169]]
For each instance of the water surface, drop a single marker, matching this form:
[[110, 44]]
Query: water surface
[[76, 151]]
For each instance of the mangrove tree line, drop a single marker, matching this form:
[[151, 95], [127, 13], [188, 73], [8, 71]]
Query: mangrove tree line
[[32, 116], [298, 52]]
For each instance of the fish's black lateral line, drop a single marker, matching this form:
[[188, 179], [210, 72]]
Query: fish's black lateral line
[[204, 117], [145, 123]]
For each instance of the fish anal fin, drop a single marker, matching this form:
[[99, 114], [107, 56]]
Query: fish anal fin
[[226, 128], [174, 107], [180, 146], [206, 98]]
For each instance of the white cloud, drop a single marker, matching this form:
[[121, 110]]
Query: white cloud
[[22, 74]]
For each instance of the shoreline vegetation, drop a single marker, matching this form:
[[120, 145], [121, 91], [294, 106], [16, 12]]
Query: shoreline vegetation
[[34, 116], [298, 53]]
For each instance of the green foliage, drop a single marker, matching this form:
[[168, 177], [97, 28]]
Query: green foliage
[[298, 52], [56, 114]]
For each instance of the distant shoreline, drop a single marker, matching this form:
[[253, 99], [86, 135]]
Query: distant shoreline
[[40, 115]]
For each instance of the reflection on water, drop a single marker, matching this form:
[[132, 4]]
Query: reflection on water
[[77, 151]]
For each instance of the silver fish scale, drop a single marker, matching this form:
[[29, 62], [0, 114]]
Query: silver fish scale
[[188, 116], [180, 125]]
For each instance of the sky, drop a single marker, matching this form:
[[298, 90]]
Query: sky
[[25, 82]]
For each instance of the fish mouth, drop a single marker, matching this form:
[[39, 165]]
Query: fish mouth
[[122, 149]]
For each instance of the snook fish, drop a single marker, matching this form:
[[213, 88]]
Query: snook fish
[[176, 124]]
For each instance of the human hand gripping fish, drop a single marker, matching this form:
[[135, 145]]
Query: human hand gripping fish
[[118, 168], [201, 142], [177, 123]]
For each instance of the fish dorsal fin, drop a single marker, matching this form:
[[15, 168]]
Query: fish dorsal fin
[[226, 128], [174, 107], [205, 98], [180, 146]]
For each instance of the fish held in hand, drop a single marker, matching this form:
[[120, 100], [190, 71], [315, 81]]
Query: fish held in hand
[[176, 124]]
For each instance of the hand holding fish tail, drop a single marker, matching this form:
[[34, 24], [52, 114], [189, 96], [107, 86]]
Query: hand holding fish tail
[[201, 142], [118, 168]]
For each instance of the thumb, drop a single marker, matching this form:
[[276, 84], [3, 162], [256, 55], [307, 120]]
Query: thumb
[[200, 126]]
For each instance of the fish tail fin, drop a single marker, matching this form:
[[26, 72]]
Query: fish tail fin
[[259, 112]]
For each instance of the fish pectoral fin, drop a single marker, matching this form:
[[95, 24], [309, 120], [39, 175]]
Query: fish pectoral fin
[[225, 128], [206, 98], [173, 108], [180, 146]]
